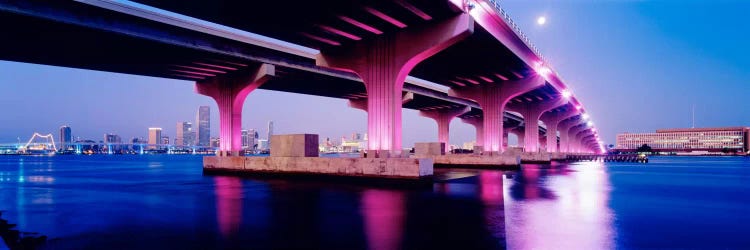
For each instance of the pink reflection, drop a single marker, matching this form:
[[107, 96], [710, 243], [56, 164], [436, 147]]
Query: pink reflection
[[491, 193], [228, 205], [530, 175], [491, 187], [578, 218], [383, 213]]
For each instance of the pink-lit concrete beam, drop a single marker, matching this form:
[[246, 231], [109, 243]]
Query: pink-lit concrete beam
[[229, 91], [552, 121], [443, 118], [383, 62], [531, 111], [361, 103], [564, 128], [493, 98]]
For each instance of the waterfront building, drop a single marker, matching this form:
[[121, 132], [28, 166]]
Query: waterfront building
[[263, 144], [65, 136], [203, 121], [688, 140], [154, 137], [184, 134], [165, 140], [469, 145]]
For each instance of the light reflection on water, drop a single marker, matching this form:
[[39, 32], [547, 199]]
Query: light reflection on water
[[99, 201]]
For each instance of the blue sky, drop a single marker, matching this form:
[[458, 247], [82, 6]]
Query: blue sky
[[636, 65]]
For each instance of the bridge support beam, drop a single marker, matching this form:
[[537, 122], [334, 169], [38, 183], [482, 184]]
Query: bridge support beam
[[573, 142], [564, 127], [552, 121], [580, 145], [443, 118], [383, 63], [531, 112], [493, 98], [229, 91], [478, 123]]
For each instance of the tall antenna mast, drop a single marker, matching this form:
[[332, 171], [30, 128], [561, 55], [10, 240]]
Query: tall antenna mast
[[693, 115]]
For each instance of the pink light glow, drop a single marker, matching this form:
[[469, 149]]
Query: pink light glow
[[501, 77], [192, 72], [457, 83], [339, 32], [228, 192], [385, 17], [321, 39], [215, 66], [201, 69], [383, 213], [486, 79], [414, 10], [361, 25], [472, 81], [542, 70], [566, 94]]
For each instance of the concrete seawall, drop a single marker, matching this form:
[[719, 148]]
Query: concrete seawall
[[398, 168]]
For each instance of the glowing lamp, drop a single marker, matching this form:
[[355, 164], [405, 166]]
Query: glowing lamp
[[542, 70], [566, 94]]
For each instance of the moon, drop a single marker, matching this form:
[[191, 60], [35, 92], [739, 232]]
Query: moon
[[541, 20]]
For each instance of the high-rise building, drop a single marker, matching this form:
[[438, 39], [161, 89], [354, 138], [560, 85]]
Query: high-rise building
[[184, 134], [154, 136], [214, 142], [165, 140], [270, 133], [203, 121], [112, 138], [245, 138], [65, 136], [253, 139]]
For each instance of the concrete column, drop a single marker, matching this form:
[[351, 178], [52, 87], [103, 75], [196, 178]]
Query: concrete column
[[552, 121], [443, 118], [478, 123], [531, 112], [229, 91], [384, 62], [493, 98]]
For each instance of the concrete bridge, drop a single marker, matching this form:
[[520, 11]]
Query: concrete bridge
[[382, 56]]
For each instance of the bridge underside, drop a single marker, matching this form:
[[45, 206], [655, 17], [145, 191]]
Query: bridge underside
[[77, 35]]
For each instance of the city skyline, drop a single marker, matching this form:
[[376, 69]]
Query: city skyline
[[627, 90]]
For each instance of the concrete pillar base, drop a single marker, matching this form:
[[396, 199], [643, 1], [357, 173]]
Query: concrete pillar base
[[389, 168]]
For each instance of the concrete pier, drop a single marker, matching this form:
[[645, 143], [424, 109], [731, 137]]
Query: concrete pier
[[483, 161], [395, 168], [298, 154]]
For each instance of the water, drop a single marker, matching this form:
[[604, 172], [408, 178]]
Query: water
[[164, 202]]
